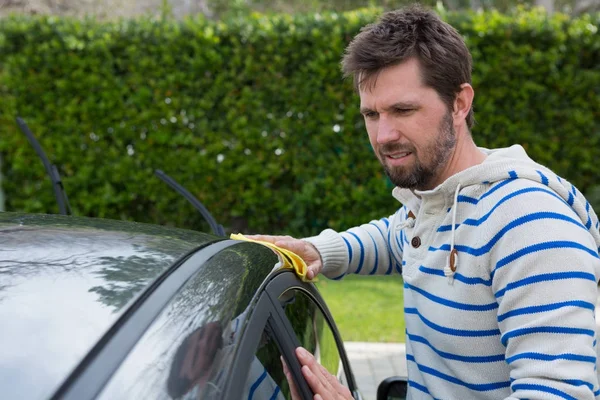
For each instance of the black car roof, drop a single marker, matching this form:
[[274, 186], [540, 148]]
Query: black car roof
[[64, 281]]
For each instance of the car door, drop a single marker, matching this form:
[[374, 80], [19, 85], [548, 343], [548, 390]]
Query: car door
[[289, 313]]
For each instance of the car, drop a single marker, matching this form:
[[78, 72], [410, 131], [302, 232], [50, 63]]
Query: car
[[104, 309]]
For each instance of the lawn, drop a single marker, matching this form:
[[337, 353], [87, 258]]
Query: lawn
[[366, 308]]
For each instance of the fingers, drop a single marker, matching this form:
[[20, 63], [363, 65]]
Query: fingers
[[265, 238], [316, 384], [340, 389], [306, 250], [313, 269], [314, 261], [287, 242], [295, 245], [323, 384]]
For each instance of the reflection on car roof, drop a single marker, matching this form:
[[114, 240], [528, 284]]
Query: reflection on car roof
[[64, 281]]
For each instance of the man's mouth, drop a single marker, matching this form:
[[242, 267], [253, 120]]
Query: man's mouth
[[397, 156]]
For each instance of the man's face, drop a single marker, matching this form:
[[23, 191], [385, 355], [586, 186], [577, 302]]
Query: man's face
[[410, 128]]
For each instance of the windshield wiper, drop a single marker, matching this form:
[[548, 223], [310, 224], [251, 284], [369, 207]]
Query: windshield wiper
[[216, 228], [64, 207]]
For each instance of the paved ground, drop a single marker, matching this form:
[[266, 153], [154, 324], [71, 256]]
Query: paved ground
[[373, 362]]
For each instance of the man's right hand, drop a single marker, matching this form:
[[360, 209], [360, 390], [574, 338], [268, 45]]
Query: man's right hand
[[304, 249]]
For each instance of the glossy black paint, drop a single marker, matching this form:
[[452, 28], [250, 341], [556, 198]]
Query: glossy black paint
[[393, 388], [64, 281], [193, 338], [71, 287]]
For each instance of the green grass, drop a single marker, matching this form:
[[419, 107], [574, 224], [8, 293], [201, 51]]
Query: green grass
[[366, 308]]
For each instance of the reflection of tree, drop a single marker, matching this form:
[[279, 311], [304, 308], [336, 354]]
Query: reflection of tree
[[127, 276], [302, 314], [312, 330], [224, 286], [153, 252], [147, 257], [2, 288], [27, 252], [114, 260]]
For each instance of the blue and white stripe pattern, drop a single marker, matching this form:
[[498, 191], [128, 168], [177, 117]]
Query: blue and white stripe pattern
[[517, 320], [260, 385]]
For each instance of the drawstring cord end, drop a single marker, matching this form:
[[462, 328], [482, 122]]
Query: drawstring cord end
[[450, 268]]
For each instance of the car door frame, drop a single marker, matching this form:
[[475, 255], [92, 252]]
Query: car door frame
[[286, 281], [269, 312]]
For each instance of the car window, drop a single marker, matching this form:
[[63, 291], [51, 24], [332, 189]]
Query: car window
[[312, 330], [266, 380], [187, 351]]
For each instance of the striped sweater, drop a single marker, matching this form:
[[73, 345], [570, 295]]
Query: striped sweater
[[515, 318]]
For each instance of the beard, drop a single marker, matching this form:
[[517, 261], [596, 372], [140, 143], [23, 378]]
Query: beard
[[427, 165]]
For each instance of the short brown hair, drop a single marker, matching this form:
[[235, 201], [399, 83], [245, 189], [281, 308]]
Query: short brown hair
[[411, 32]]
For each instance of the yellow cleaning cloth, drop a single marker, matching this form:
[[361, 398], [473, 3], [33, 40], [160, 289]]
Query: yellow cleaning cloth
[[289, 258]]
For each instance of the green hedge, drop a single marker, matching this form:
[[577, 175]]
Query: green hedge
[[253, 117]]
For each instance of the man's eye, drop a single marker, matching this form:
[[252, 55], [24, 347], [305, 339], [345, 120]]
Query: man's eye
[[403, 110], [371, 115]]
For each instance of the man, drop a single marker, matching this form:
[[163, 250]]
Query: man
[[499, 255]]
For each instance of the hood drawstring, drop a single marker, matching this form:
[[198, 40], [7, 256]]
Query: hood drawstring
[[452, 264], [409, 222]]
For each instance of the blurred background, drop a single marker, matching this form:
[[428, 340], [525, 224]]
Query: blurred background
[[219, 8], [243, 103]]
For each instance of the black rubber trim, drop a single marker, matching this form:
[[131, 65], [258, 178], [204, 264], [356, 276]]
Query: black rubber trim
[[284, 331], [89, 378], [266, 313], [261, 312], [288, 281]]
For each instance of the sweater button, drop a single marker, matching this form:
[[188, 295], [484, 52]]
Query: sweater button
[[416, 242]]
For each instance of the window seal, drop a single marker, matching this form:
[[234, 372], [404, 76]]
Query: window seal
[[266, 313], [289, 281]]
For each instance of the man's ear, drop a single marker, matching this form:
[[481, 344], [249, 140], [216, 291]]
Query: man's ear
[[462, 103]]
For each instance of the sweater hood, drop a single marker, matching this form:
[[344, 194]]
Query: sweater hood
[[502, 164]]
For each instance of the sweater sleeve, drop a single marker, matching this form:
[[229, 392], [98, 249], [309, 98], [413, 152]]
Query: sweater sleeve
[[367, 249], [544, 269]]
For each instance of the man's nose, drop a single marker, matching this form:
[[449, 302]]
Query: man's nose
[[386, 130]]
